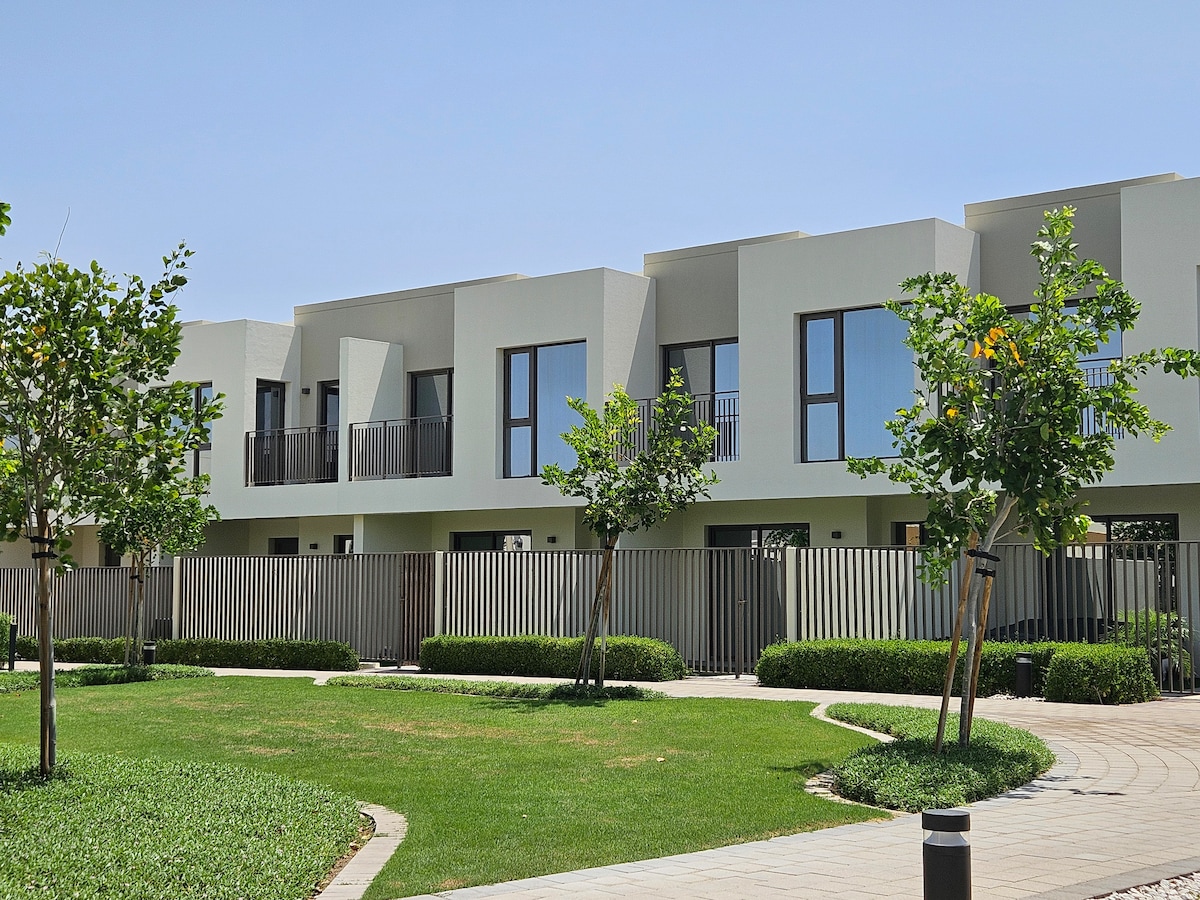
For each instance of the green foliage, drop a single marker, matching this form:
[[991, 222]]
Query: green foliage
[[911, 667], [1100, 673], [76, 650], [143, 829], [273, 653], [628, 490], [1165, 635], [629, 658], [505, 689], [1003, 398], [170, 514], [95, 347], [86, 676], [15, 682], [906, 774]]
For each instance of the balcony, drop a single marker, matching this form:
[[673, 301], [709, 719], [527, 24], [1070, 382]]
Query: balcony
[[400, 448], [292, 455], [719, 410], [1090, 421]]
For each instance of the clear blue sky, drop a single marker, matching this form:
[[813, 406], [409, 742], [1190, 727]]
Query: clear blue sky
[[313, 151]]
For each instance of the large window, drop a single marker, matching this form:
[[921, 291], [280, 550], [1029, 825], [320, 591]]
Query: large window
[[537, 383], [855, 372]]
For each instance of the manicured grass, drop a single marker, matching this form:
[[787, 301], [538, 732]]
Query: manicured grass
[[494, 789], [906, 775], [143, 829]]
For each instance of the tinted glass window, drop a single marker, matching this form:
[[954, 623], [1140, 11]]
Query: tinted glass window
[[878, 378], [561, 373], [819, 357]]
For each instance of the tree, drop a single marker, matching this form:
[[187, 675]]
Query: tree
[[161, 512], [77, 354], [994, 439], [627, 488]]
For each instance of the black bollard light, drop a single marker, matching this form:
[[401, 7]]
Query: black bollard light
[[1023, 684], [12, 645], [148, 651], [946, 854]]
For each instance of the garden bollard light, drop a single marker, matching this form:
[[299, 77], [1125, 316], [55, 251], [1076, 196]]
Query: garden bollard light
[[946, 854], [1023, 685], [148, 651], [12, 646]]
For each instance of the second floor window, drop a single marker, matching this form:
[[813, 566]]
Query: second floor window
[[855, 372], [330, 411], [269, 405], [537, 383]]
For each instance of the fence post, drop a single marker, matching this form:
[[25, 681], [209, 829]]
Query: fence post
[[791, 592], [176, 597], [439, 592]]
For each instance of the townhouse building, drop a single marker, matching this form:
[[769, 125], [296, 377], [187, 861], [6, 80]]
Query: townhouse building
[[419, 419]]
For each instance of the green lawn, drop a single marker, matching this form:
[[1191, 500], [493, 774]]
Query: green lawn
[[493, 789]]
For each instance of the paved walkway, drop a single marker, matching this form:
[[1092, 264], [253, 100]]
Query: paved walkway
[[1121, 808]]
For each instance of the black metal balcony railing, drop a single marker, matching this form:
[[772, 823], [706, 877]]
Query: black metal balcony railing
[[1091, 422], [292, 455], [719, 410], [400, 448]]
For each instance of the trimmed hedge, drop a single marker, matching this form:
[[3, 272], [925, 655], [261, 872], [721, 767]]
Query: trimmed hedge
[[628, 658], [275, 653], [1101, 673], [919, 667]]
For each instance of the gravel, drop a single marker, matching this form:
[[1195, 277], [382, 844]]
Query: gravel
[[1186, 887]]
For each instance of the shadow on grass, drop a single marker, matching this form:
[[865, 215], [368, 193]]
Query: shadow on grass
[[804, 770]]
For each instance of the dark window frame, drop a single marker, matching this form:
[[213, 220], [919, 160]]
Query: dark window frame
[[269, 385], [836, 397], [712, 360], [197, 404], [529, 421], [340, 542], [325, 389], [412, 389], [497, 538], [274, 544]]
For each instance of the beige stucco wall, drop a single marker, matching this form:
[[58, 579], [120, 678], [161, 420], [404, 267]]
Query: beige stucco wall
[[1008, 227], [697, 289], [783, 280]]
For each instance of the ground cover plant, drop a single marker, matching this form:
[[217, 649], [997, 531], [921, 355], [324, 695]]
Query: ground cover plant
[[144, 829], [493, 789], [907, 775], [507, 689], [11, 682]]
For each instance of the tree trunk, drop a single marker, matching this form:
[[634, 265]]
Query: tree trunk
[[139, 605], [948, 684], [603, 586], [49, 724], [129, 620], [980, 585]]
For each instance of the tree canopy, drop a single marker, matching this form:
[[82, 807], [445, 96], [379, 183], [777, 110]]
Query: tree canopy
[[1009, 427], [85, 404], [632, 475]]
